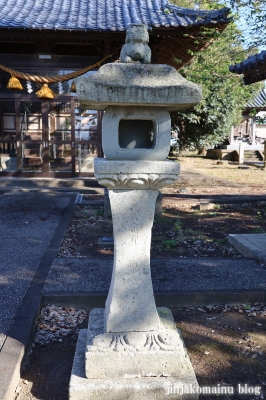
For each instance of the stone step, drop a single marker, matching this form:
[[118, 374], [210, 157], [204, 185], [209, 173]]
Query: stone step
[[253, 155]]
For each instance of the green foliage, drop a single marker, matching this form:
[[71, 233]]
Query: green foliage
[[259, 215], [169, 243], [222, 242], [252, 15], [257, 230], [99, 213], [178, 225], [212, 214], [224, 94], [261, 120], [196, 4]]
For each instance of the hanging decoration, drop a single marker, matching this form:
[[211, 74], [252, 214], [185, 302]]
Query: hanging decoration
[[45, 91], [60, 88], [29, 87], [73, 87], [14, 83]]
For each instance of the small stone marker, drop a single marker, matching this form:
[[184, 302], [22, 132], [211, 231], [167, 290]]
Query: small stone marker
[[133, 350], [241, 154], [205, 205]]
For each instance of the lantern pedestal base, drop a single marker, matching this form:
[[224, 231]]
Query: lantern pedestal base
[[149, 369]]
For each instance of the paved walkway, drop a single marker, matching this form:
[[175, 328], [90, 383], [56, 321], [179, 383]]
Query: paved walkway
[[27, 223], [250, 245]]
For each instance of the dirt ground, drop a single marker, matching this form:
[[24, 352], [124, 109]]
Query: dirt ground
[[253, 177], [182, 230], [226, 344]]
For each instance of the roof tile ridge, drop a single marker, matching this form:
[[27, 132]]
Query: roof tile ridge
[[189, 11]]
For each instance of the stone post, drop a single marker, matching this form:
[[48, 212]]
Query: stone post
[[132, 350], [131, 285], [241, 153]]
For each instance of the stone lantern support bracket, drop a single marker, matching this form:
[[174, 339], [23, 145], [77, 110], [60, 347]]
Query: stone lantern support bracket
[[142, 174]]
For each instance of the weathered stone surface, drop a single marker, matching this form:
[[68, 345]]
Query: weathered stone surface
[[134, 354], [241, 153], [125, 387], [205, 205], [137, 85], [136, 48], [132, 351], [135, 174], [130, 305], [134, 133]]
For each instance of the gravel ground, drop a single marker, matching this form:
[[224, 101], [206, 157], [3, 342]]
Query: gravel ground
[[82, 274]]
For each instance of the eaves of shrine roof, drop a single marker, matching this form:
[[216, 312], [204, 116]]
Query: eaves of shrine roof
[[253, 68], [103, 15]]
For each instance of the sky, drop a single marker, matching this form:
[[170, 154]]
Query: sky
[[245, 26]]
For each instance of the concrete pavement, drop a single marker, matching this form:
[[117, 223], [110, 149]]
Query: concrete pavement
[[30, 225], [28, 221], [250, 245]]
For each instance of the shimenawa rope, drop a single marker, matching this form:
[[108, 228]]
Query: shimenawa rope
[[52, 78]]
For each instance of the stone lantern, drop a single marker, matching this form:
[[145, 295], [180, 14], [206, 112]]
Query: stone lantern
[[132, 349]]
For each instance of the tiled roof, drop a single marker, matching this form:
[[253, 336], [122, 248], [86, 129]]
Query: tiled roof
[[105, 15], [249, 64], [259, 101]]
